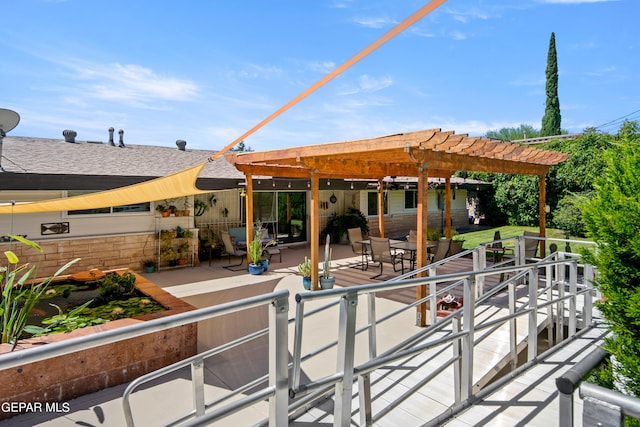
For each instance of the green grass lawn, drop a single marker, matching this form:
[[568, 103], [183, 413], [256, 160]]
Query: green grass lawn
[[475, 238]]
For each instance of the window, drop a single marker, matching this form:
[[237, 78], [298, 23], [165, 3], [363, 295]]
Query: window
[[135, 208], [372, 203], [410, 199]]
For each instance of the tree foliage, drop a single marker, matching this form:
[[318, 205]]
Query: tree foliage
[[241, 148], [551, 119], [512, 134], [612, 219]]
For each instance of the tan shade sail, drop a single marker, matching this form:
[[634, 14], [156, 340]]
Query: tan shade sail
[[168, 187]]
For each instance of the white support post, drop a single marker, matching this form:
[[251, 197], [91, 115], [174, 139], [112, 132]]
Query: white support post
[[345, 363], [532, 344], [467, 341], [278, 362]]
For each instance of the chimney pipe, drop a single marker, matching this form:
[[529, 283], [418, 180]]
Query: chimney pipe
[[181, 143], [111, 137], [69, 135], [121, 142]]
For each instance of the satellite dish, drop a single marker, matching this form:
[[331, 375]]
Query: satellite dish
[[8, 120]]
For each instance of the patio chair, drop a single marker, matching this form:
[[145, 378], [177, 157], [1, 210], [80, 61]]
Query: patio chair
[[355, 237], [412, 236], [381, 253], [231, 251], [441, 251], [497, 249], [531, 245]]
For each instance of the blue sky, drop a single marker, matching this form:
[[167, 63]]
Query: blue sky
[[207, 71]]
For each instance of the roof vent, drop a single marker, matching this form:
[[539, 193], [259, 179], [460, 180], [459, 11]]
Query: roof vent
[[111, 137], [69, 135], [181, 143], [121, 141]]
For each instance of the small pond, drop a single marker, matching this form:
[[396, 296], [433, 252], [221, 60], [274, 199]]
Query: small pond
[[112, 297]]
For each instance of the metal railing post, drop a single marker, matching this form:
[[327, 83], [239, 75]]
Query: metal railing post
[[373, 350], [457, 366], [433, 293], [468, 322], [573, 287], [297, 346], [532, 339], [197, 378], [480, 264], [278, 361], [588, 296], [364, 396], [346, 350], [513, 331]]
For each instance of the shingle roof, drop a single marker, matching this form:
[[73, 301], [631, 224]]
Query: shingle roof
[[25, 155]]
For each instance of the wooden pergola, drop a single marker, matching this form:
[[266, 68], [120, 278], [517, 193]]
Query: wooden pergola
[[421, 154]]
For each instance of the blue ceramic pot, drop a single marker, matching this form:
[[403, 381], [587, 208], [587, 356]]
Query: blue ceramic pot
[[306, 282], [256, 269]]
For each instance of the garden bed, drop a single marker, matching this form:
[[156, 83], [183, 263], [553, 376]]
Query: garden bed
[[62, 378]]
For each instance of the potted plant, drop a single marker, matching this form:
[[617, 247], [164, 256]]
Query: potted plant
[[162, 209], [199, 207], [327, 280], [305, 270], [169, 254], [186, 206], [183, 253], [337, 225], [256, 249], [149, 265]]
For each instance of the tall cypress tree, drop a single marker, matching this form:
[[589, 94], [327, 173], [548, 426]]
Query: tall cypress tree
[[551, 119]]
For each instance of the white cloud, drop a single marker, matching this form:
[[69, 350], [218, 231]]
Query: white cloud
[[133, 83], [467, 15], [602, 71], [322, 67], [372, 22], [459, 35], [255, 71], [369, 84]]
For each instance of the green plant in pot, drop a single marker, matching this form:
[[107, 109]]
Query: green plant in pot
[[149, 265], [327, 280], [304, 269]]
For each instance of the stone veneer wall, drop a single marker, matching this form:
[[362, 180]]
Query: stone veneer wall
[[102, 252]]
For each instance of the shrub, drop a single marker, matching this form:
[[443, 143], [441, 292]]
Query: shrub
[[612, 219]]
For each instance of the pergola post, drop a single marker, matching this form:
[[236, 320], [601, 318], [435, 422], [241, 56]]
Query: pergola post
[[447, 207], [542, 202], [249, 214], [381, 207], [315, 229], [421, 241]]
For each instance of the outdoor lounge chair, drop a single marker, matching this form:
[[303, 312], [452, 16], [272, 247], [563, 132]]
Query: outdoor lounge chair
[[231, 251], [441, 251], [355, 237], [381, 253]]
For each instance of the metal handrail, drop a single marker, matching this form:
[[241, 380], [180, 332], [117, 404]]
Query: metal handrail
[[463, 339]]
